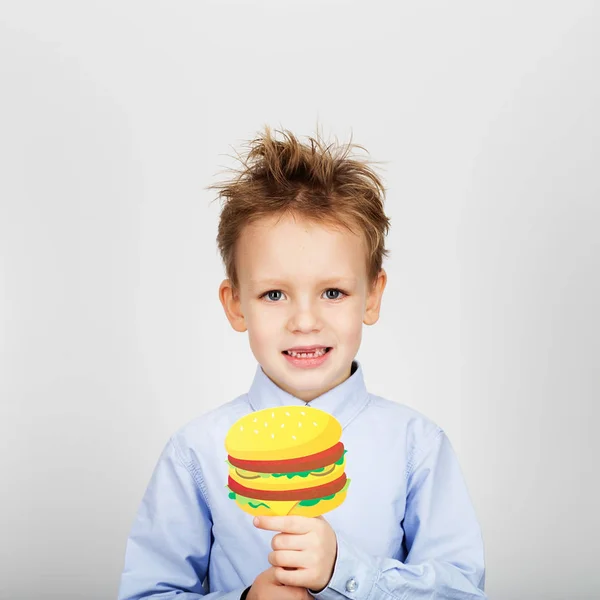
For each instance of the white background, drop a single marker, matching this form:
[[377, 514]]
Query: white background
[[115, 116]]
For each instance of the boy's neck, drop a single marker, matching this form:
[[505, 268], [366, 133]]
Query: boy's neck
[[308, 396]]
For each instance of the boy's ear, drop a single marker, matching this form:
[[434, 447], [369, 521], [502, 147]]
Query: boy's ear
[[374, 299], [230, 299]]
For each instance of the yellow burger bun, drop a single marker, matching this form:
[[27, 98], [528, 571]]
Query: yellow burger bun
[[283, 431]]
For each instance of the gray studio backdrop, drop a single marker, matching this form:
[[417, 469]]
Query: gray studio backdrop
[[114, 116]]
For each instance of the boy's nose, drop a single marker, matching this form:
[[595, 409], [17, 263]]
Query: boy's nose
[[305, 320]]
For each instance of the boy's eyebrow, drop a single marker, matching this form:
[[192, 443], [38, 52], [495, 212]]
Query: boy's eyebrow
[[329, 280]]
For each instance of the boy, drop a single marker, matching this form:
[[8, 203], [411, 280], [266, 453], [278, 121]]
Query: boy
[[301, 234]]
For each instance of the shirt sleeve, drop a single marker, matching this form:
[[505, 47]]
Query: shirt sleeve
[[445, 558], [169, 543]]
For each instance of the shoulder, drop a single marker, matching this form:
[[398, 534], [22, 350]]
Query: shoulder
[[418, 430]]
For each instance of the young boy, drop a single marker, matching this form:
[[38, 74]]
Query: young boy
[[301, 234]]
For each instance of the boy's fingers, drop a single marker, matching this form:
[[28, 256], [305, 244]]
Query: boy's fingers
[[288, 524], [287, 541], [291, 577], [272, 579], [288, 559]]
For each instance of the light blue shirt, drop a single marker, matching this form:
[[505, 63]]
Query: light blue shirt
[[407, 528]]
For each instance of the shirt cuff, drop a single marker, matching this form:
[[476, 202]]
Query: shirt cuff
[[354, 574]]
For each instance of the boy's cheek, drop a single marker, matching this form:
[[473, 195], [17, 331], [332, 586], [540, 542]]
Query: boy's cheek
[[262, 335], [264, 326]]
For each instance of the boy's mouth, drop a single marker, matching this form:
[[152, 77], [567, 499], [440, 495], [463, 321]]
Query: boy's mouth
[[314, 352]]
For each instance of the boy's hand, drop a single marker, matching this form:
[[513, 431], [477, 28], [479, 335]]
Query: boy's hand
[[266, 587], [307, 546]]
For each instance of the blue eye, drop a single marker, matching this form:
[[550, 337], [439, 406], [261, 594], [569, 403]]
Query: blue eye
[[268, 294], [335, 290]]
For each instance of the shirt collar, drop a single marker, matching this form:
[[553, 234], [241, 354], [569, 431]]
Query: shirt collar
[[344, 401]]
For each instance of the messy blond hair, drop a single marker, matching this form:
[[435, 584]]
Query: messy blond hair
[[323, 183]]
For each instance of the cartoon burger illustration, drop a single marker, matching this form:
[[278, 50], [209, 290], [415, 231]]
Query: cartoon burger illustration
[[286, 460]]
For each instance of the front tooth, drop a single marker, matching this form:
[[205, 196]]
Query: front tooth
[[315, 354]]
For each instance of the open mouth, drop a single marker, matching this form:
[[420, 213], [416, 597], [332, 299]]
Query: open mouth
[[314, 354]]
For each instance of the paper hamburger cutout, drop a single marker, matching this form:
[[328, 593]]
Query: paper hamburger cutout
[[286, 460]]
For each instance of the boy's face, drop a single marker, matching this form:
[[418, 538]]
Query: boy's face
[[302, 284]]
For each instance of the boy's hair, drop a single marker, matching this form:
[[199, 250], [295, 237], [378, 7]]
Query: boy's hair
[[319, 182]]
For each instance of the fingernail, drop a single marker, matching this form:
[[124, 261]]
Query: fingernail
[[255, 520]]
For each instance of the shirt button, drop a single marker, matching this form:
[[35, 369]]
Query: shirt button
[[351, 585]]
